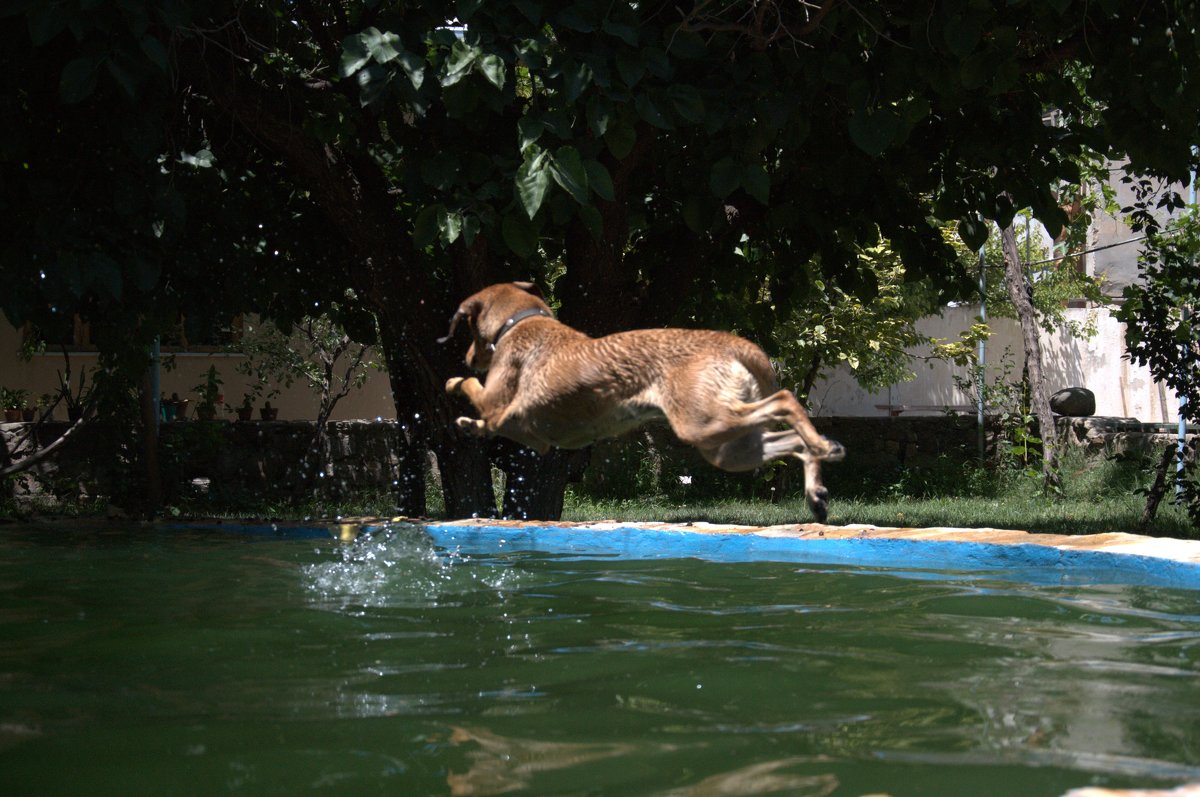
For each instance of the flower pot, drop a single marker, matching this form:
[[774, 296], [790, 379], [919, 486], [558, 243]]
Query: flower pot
[[244, 413], [269, 413], [206, 412], [12, 415], [28, 414]]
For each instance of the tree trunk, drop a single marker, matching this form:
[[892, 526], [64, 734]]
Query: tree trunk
[[535, 484], [1158, 489], [153, 493], [1019, 294]]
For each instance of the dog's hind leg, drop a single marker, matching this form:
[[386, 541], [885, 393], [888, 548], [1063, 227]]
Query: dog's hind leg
[[758, 447], [782, 406]]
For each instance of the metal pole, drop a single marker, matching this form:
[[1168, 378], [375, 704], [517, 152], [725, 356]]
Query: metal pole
[[981, 363]]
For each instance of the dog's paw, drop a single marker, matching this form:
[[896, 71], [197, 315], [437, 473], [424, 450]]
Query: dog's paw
[[836, 452], [818, 502], [454, 384], [472, 426]]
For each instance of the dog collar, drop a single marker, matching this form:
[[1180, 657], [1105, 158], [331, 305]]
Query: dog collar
[[516, 319]]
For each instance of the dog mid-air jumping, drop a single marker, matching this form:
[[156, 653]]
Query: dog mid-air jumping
[[550, 385]]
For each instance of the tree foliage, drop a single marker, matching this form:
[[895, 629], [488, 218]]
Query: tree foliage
[[414, 152]]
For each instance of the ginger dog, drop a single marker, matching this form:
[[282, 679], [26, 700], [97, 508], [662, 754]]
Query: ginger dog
[[551, 385]]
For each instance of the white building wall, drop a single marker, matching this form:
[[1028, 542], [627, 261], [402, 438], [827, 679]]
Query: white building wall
[[1122, 389]]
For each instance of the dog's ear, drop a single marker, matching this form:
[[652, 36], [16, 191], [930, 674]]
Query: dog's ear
[[468, 310], [530, 287]]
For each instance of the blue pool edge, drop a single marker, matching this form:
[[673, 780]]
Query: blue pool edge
[[1113, 558], [1043, 559]]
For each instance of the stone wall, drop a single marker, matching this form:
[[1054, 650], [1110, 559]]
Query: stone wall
[[267, 460], [1104, 435], [264, 459]]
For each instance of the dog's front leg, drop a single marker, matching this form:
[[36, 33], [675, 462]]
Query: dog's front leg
[[471, 388]]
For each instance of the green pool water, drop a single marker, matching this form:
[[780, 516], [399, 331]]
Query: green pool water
[[155, 662]]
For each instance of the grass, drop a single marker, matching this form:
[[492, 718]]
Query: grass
[[1062, 516], [1099, 495]]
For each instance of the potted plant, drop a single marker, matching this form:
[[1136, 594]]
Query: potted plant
[[28, 412], [12, 400], [210, 394], [76, 399], [46, 404], [268, 413], [246, 411]]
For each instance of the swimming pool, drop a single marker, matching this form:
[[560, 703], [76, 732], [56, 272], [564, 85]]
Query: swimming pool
[[148, 661]]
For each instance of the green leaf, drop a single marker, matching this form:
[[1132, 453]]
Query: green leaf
[[78, 80], [599, 180], [354, 55], [576, 78], [973, 231], [103, 275], [145, 274], [657, 62], [125, 79], [533, 179], [979, 68], [441, 171], [425, 226], [724, 177], [630, 66], [492, 67], [962, 34], [153, 49], [620, 139], [694, 215], [572, 19], [467, 8], [599, 114], [873, 132], [381, 46], [372, 83], [459, 64], [529, 129], [46, 22], [756, 182], [566, 167], [449, 225], [414, 67], [688, 102], [686, 44], [648, 110], [626, 33], [519, 234]]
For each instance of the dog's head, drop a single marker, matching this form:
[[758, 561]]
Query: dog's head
[[487, 312]]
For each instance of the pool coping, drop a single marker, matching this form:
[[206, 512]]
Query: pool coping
[[1114, 557], [1106, 558]]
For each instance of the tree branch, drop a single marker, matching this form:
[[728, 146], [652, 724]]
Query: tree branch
[[28, 462]]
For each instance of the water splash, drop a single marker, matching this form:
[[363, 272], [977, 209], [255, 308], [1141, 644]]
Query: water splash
[[401, 567]]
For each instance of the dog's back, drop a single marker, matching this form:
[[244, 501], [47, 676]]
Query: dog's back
[[549, 385]]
